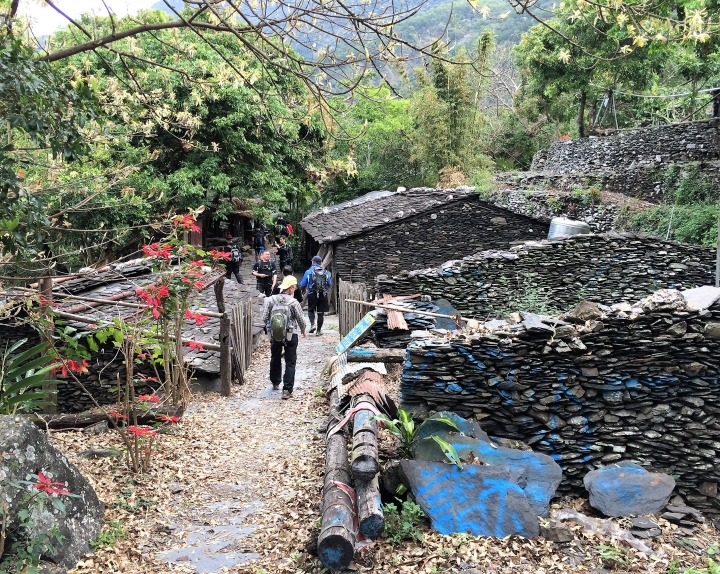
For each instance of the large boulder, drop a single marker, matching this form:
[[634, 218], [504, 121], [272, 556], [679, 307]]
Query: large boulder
[[628, 489], [543, 474], [27, 453], [480, 500]]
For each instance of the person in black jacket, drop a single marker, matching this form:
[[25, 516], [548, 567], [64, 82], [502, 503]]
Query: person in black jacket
[[284, 252], [266, 274], [232, 265]]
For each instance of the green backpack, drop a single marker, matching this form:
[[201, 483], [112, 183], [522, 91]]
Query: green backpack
[[281, 318]]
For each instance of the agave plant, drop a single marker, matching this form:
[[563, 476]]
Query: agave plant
[[22, 377]]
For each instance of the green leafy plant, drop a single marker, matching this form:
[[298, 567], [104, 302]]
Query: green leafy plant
[[674, 568], [403, 523], [448, 450], [404, 427], [613, 556], [111, 533], [22, 377]]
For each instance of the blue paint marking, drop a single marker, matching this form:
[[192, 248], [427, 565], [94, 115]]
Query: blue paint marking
[[357, 333], [486, 515]]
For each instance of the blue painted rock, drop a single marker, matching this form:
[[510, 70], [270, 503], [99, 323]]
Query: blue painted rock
[[624, 490], [480, 500], [467, 427], [542, 475]]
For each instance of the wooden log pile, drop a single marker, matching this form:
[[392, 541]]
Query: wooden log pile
[[351, 515], [600, 386]]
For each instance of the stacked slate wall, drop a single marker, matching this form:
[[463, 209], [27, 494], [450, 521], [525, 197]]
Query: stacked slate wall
[[643, 389], [455, 229], [559, 273], [651, 146], [599, 213]]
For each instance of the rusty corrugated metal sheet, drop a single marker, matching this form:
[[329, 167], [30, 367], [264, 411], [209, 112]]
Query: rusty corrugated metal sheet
[[369, 383]]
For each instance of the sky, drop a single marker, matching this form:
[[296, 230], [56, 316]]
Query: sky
[[46, 20]]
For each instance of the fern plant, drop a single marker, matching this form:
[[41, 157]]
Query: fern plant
[[22, 377]]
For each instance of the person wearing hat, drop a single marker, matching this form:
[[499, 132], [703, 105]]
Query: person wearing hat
[[318, 283], [285, 302], [232, 265]]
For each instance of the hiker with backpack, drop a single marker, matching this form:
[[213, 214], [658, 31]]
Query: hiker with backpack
[[283, 318], [284, 252], [232, 265], [318, 283], [259, 241], [266, 274]]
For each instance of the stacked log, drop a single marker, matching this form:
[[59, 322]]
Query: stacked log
[[350, 515], [384, 337], [336, 543], [634, 383]]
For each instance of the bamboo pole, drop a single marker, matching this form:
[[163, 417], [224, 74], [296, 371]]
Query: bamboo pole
[[406, 310], [111, 301], [88, 321]]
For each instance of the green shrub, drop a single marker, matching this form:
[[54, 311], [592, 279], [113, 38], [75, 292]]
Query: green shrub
[[483, 181], [694, 223], [402, 524]]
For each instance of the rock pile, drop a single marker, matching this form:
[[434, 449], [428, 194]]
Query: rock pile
[[597, 386], [385, 337], [670, 143], [611, 267]]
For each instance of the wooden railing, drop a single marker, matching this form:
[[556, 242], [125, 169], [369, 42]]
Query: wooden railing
[[349, 314], [241, 335]]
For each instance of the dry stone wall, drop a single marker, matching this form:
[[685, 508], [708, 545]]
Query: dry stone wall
[[671, 143], [639, 385], [456, 229], [559, 273], [599, 213]]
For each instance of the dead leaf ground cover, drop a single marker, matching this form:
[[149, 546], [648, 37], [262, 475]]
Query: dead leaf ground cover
[[244, 476]]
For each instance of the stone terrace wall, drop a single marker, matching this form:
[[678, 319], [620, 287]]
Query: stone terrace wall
[[672, 143], [645, 182], [642, 388], [600, 215], [454, 230], [603, 268]]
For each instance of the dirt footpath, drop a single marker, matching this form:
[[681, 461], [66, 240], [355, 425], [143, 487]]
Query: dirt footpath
[[234, 488]]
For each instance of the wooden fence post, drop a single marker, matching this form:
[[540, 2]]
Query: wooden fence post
[[46, 286], [225, 358]]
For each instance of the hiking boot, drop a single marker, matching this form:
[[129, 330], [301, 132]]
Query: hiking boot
[[276, 387], [286, 394], [312, 328], [319, 334]]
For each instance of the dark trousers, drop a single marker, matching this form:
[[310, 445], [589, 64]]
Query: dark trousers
[[231, 270], [265, 288], [276, 353]]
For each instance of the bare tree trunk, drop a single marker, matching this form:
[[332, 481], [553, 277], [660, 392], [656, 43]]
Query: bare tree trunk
[[581, 114]]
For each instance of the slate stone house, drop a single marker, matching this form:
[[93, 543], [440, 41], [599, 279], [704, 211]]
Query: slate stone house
[[389, 232]]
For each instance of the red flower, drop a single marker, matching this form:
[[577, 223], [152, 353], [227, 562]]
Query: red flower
[[194, 345], [199, 285], [154, 250], [565, 138], [163, 291], [149, 398], [199, 318], [220, 255], [187, 221], [50, 487], [76, 367], [170, 419], [117, 415], [197, 263], [141, 431]]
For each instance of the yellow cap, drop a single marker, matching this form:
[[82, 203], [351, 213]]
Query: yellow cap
[[288, 282]]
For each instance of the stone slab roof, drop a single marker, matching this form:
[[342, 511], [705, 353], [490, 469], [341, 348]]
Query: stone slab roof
[[119, 280], [338, 222]]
